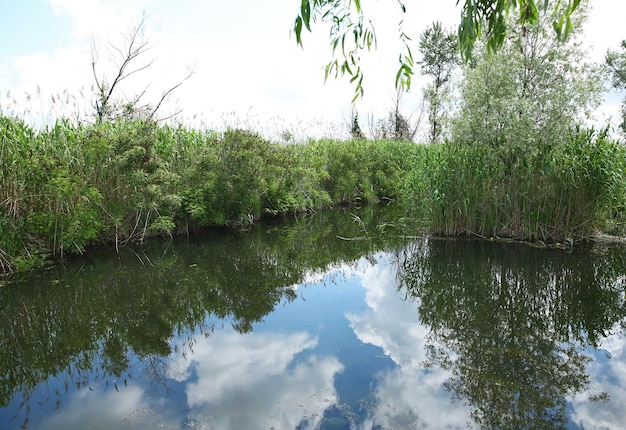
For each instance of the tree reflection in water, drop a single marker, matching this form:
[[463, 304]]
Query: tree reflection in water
[[511, 323], [105, 317]]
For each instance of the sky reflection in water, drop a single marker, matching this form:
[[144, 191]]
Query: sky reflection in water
[[350, 350]]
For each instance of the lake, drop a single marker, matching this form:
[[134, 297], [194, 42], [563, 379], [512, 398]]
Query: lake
[[337, 320]]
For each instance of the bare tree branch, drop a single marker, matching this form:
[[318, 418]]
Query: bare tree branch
[[124, 58], [190, 73]]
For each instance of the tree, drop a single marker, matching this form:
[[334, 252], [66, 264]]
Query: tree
[[400, 126], [512, 358], [616, 60], [106, 105], [352, 32], [355, 127], [397, 126], [439, 59], [532, 93]]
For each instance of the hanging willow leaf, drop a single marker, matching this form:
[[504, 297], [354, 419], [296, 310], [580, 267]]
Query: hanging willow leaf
[[479, 18]]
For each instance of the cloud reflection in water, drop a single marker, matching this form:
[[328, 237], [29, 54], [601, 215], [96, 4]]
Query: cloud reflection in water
[[257, 381], [86, 409], [607, 374], [409, 396]]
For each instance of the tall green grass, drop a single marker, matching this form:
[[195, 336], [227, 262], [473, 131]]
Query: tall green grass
[[550, 194]]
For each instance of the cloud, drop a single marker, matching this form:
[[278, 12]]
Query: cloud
[[414, 398], [244, 58], [86, 409], [409, 395], [230, 381], [99, 17], [36, 79], [607, 375], [257, 381], [604, 16], [389, 322], [63, 69]]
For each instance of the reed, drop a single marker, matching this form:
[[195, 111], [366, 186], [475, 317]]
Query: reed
[[549, 194]]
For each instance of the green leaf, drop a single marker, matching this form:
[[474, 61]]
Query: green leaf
[[398, 76], [368, 39], [297, 28], [346, 67], [528, 12], [409, 57], [305, 11], [356, 75], [558, 27]]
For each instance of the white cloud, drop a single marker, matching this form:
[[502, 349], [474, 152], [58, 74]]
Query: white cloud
[[412, 394], [605, 17], [606, 376], [246, 60], [408, 395], [413, 398], [255, 381], [99, 17], [89, 410], [231, 381], [63, 69], [387, 322]]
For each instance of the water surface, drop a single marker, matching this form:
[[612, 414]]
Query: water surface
[[337, 321]]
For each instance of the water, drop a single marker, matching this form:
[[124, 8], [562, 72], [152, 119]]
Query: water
[[337, 321]]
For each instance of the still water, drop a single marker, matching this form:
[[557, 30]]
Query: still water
[[336, 321]]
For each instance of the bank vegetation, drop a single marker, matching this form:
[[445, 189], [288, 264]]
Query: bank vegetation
[[68, 187]]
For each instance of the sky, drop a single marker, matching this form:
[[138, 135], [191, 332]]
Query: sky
[[248, 70]]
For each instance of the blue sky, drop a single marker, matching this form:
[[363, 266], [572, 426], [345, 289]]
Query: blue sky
[[31, 26], [249, 70]]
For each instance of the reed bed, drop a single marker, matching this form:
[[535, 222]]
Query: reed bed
[[551, 194], [66, 187]]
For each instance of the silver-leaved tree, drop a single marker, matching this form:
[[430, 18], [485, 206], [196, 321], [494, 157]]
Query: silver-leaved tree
[[533, 92]]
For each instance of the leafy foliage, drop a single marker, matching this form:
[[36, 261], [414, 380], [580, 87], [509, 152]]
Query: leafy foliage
[[349, 31], [248, 275], [519, 165], [505, 317], [352, 32], [550, 195], [531, 94], [616, 60], [68, 186], [440, 57]]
